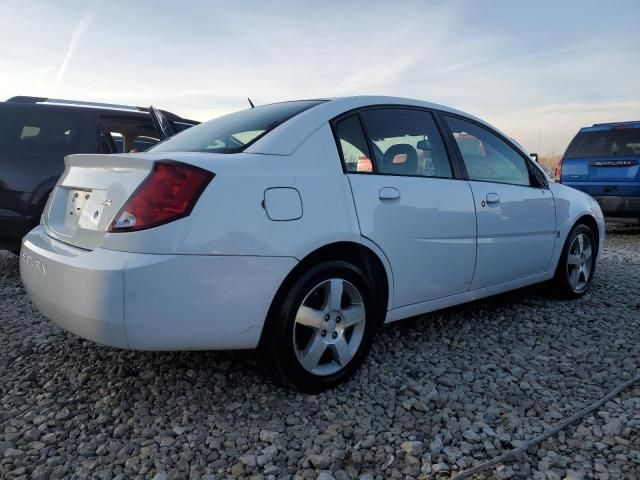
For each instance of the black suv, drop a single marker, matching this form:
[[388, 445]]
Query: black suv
[[37, 133]]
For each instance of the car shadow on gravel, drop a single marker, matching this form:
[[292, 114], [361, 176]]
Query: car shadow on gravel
[[245, 366]]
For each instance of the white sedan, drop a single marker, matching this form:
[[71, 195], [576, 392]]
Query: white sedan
[[299, 228]]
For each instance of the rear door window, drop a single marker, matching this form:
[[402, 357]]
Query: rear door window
[[614, 142], [127, 135], [39, 130], [406, 142]]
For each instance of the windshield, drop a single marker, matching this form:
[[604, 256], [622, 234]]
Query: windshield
[[617, 142], [234, 132]]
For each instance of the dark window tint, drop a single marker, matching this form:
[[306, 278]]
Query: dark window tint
[[486, 156], [234, 132], [406, 142], [617, 142], [126, 135], [353, 145], [39, 131]]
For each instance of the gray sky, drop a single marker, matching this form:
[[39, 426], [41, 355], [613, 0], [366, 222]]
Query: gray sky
[[536, 70]]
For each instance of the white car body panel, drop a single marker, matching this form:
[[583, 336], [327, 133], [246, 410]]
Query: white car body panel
[[571, 205], [516, 234], [434, 219], [151, 302], [207, 281]]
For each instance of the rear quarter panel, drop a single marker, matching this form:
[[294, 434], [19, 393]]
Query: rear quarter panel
[[229, 218]]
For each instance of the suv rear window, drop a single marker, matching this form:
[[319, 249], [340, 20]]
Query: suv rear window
[[615, 142], [40, 131], [234, 132]]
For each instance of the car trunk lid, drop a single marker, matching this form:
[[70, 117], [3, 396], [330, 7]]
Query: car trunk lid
[[90, 193], [601, 169], [110, 181]]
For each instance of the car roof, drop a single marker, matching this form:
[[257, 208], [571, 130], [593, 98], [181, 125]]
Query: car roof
[[82, 105], [598, 127], [285, 138]]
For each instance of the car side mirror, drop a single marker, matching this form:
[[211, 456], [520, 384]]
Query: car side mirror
[[534, 157]]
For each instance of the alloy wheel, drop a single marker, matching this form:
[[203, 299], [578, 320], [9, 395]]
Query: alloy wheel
[[580, 262], [329, 326]]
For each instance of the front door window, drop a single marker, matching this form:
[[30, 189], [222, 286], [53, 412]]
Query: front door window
[[487, 157]]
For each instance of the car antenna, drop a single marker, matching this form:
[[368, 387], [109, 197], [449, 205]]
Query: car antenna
[[251, 103]]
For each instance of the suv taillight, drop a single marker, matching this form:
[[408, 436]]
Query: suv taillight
[[169, 192], [558, 173]]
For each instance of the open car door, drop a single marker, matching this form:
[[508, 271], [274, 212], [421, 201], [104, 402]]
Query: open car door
[[164, 127]]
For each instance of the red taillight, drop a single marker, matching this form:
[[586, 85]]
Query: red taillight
[[558, 173], [168, 193]]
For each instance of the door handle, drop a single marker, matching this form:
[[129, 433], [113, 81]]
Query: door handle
[[493, 198], [389, 193]]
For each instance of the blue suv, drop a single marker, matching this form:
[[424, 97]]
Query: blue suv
[[604, 161]]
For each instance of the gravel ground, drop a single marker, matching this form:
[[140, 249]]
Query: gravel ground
[[437, 395]]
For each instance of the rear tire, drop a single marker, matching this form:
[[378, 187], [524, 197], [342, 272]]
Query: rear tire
[[322, 328], [577, 264]]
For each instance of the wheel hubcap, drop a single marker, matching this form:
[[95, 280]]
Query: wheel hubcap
[[580, 262], [329, 326]]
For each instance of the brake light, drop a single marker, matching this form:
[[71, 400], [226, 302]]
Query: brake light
[[169, 192], [558, 173]]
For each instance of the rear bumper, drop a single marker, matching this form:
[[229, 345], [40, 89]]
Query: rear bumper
[[151, 302], [620, 206]]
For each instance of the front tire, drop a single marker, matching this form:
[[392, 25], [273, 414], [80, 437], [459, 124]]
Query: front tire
[[323, 327], [577, 263]]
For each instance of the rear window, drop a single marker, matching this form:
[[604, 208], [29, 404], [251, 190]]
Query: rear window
[[234, 132], [38, 131], [616, 142]]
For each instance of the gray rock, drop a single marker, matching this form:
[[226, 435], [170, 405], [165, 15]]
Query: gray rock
[[269, 436], [412, 447], [248, 460], [237, 469], [319, 460], [452, 453], [436, 446], [4, 446], [147, 375], [13, 452], [32, 435], [471, 436], [325, 476], [272, 470], [503, 472], [613, 428]]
